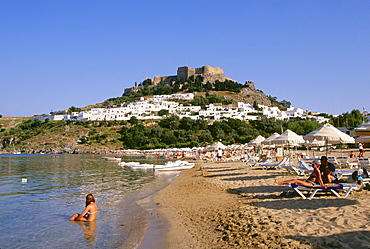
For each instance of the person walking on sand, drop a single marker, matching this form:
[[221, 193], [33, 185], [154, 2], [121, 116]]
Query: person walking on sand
[[361, 149], [90, 211], [315, 179]]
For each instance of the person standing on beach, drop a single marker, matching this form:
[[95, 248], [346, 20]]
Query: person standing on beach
[[361, 149], [219, 155], [90, 211]]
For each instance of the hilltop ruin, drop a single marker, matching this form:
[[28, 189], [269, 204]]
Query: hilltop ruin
[[206, 73]]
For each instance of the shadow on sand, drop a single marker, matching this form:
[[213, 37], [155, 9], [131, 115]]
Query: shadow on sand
[[313, 204], [356, 239]]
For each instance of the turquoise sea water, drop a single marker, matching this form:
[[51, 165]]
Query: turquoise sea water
[[34, 212]]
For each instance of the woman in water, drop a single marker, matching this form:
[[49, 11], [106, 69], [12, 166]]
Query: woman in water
[[90, 212]]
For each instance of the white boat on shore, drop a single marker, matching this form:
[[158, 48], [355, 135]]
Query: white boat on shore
[[177, 165], [136, 165], [170, 165], [114, 159]]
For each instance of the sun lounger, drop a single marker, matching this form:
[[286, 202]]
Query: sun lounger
[[344, 162], [308, 168], [314, 158], [296, 170], [278, 165], [339, 174], [257, 163], [347, 188], [363, 162], [333, 160]]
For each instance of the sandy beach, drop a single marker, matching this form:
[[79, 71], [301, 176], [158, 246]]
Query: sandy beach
[[231, 205]]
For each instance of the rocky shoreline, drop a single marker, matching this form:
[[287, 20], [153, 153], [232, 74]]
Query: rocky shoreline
[[66, 151]]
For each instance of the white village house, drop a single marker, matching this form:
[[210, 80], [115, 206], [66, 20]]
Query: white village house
[[149, 108]]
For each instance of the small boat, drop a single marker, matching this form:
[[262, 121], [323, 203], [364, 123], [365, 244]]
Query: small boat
[[177, 165], [136, 164], [115, 159]]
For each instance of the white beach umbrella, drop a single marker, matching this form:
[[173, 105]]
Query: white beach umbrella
[[268, 141], [257, 141], [330, 135], [363, 139], [361, 130], [288, 138], [314, 143], [216, 146]]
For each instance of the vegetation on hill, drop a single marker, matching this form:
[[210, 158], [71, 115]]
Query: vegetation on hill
[[169, 132], [22, 133], [206, 93]]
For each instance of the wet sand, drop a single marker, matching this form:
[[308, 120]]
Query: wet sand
[[231, 205]]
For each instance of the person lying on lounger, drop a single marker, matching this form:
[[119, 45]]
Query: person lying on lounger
[[315, 179]]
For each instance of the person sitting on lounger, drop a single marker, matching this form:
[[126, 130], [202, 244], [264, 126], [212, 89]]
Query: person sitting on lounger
[[327, 170], [314, 179]]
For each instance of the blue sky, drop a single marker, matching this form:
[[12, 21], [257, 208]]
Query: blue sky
[[58, 54]]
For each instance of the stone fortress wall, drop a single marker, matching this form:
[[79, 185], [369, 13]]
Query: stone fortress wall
[[207, 73]]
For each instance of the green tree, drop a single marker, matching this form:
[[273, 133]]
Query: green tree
[[186, 123], [205, 137], [172, 122], [163, 112], [74, 109], [133, 120]]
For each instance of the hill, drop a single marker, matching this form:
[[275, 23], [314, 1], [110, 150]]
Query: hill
[[34, 136]]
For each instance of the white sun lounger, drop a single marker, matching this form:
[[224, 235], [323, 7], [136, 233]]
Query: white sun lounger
[[344, 162], [278, 165], [254, 164], [299, 170], [347, 188]]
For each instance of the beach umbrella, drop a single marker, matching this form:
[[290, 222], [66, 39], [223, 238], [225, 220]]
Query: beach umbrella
[[314, 143], [330, 135], [363, 139], [268, 141], [288, 138], [216, 146], [257, 141], [361, 130]]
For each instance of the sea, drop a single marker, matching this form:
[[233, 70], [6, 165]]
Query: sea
[[39, 193]]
